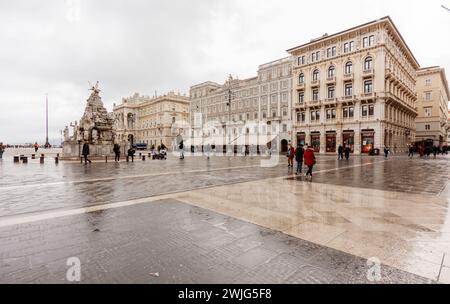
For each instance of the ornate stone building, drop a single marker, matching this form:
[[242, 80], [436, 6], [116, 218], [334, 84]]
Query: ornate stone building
[[356, 88], [432, 106], [95, 128], [245, 108], [150, 120]]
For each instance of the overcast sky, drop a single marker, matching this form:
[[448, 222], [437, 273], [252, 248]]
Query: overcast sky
[[56, 47]]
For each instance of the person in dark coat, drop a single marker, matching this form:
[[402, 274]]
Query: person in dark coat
[[116, 150], [310, 161], [131, 153], [411, 151], [347, 152], [86, 153], [299, 152], [386, 152], [340, 152]]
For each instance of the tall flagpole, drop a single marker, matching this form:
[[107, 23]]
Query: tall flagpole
[[47, 144]]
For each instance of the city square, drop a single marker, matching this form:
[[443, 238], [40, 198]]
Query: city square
[[226, 220], [198, 145]]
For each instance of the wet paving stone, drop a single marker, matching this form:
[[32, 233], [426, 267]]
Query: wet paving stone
[[131, 246]]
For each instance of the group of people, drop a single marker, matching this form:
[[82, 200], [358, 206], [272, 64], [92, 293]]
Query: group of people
[[427, 151], [301, 156], [161, 154]]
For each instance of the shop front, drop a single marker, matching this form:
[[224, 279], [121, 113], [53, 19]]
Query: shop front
[[301, 139], [330, 142], [367, 140], [315, 141], [348, 140]]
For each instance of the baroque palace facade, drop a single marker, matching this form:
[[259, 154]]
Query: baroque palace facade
[[150, 120], [356, 88]]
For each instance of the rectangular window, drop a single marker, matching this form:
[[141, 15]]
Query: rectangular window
[[348, 89], [333, 51], [428, 82], [284, 112], [328, 52], [346, 49], [313, 115], [427, 127], [264, 115], [367, 86], [351, 46], [328, 114], [318, 55], [365, 42], [317, 115], [364, 110], [371, 40], [345, 112], [371, 110], [313, 57], [315, 94], [331, 92], [301, 97], [350, 112], [333, 113], [427, 111], [428, 96]]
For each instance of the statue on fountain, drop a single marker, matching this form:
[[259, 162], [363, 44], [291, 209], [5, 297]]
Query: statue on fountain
[[95, 127]]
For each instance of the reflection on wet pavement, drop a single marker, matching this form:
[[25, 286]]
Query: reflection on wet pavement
[[354, 210]]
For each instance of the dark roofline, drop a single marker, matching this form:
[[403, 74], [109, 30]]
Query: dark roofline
[[385, 18]]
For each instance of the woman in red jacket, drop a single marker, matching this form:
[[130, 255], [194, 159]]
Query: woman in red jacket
[[310, 160]]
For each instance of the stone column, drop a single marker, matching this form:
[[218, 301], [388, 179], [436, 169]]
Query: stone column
[[357, 140]]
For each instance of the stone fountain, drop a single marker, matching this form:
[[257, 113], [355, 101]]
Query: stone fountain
[[95, 127]]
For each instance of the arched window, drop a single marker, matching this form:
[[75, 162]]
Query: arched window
[[368, 63], [331, 71], [316, 75], [301, 78], [348, 67]]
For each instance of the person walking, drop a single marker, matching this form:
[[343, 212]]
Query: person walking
[[411, 151], [299, 152], [2, 149], [340, 152], [86, 153], [116, 150], [290, 155], [36, 147], [386, 152], [347, 152], [310, 161]]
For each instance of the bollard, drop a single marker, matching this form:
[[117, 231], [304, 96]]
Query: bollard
[[25, 160], [21, 156], [41, 159], [56, 160], [16, 159], [128, 159], [106, 158], [143, 157], [140, 154], [149, 155], [33, 156], [81, 159]]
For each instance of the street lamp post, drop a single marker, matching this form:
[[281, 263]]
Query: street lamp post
[[230, 97]]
